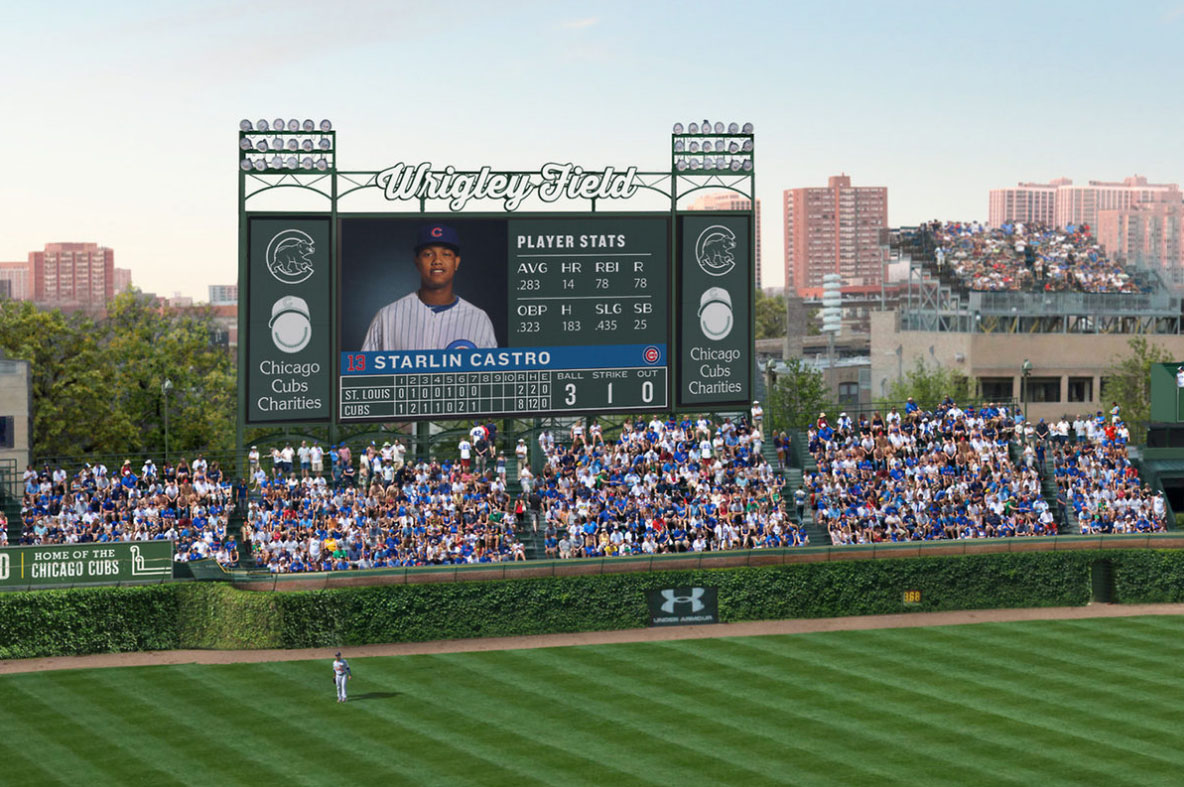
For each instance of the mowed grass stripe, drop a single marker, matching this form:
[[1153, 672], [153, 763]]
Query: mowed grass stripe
[[1107, 689], [76, 753], [845, 706], [28, 756], [1061, 694], [960, 732], [447, 720], [121, 720], [607, 726], [1002, 698], [377, 746], [233, 721], [447, 750], [858, 720], [694, 698], [569, 736]]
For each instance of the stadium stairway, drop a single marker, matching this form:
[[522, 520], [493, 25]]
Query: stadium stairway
[[532, 540], [1066, 525]]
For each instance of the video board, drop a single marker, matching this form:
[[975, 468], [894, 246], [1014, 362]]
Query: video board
[[444, 317]]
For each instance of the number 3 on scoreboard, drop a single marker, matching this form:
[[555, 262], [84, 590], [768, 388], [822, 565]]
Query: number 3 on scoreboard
[[570, 399]]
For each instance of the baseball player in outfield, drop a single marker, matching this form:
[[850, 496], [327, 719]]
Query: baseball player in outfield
[[341, 676], [433, 317]]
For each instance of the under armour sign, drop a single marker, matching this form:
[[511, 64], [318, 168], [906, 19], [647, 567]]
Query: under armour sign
[[688, 606]]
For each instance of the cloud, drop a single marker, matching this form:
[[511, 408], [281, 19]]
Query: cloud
[[579, 24]]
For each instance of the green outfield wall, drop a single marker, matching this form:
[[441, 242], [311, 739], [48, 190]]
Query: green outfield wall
[[81, 564], [216, 615]]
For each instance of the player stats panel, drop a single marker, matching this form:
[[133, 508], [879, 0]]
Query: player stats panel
[[582, 324]]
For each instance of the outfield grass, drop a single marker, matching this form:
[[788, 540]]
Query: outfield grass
[[1067, 702]]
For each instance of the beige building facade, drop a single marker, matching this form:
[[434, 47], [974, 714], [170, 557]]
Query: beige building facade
[[16, 422], [1067, 368]]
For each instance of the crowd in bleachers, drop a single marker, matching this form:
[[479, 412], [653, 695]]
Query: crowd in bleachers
[[922, 476], [1027, 257], [396, 514], [660, 485], [664, 485], [1095, 476], [188, 503]]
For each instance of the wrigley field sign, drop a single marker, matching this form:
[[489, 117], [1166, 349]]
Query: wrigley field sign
[[76, 564]]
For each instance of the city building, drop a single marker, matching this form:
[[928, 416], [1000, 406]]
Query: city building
[[1081, 204], [223, 294], [726, 200], [123, 280], [73, 275], [1027, 203], [835, 229], [16, 423], [14, 280], [1147, 235]]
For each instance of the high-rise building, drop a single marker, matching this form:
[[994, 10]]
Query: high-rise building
[[223, 294], [1081, 204], [1027, 203], [73, 275], [1147, 234], [722, 201], [123, 280], [15, 276], [834, 230]]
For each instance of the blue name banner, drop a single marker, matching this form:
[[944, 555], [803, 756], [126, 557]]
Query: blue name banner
[[615, 356]]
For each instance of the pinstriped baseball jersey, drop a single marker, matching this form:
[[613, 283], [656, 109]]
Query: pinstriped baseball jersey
[[410, 324]]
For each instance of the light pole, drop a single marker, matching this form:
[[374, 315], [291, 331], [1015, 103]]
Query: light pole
[[165, 387], [1025, 370]]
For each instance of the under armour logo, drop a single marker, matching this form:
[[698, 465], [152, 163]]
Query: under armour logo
[[692, 599]]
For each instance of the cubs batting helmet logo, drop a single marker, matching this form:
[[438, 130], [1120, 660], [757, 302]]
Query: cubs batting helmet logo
[[692, 599], [289, 256], [713, 250]]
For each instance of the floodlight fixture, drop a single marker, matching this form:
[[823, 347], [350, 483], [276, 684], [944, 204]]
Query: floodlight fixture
[[719, 127], [678, 128], [306, 144], [693, 128], [306, 162], [735, 165], [261, 146], [678, 146], [719, 146], [681, 164], [748, 165], [260, 164], [244, 125], [245, 165], [244, 143], [747, 146], [325, 144], [308, 125], [322, 165], [277, 124], [293, 125], [293, 143], [291, 162], [734, 147], [747, 128], [694, 147], [261, 125], [705, 127], [276, 162], [733, 128]]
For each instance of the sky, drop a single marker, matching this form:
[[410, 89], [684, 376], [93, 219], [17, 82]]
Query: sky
[[120, 119]]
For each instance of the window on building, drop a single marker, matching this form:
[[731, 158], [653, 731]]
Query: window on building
[[7, 431], [848, 393], [993, 388], [1081, 389], [1043, 389]]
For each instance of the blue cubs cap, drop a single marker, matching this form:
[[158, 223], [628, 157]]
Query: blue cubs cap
[[437, 235]]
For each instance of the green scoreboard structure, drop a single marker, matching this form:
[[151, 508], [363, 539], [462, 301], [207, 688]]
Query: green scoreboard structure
[[421, 292]]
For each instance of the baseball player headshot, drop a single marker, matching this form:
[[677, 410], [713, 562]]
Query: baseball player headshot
[[433, 317], [341, 676]]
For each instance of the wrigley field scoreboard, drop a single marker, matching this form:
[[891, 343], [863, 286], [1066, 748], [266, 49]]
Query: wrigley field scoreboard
[[492, 293]]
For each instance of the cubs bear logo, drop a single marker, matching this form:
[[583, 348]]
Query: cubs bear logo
[[289, 256], [714, 250]]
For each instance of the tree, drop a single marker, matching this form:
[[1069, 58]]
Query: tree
[[769, 311], [1129, 384], [97, 384], [798, 394], [928, 386]]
